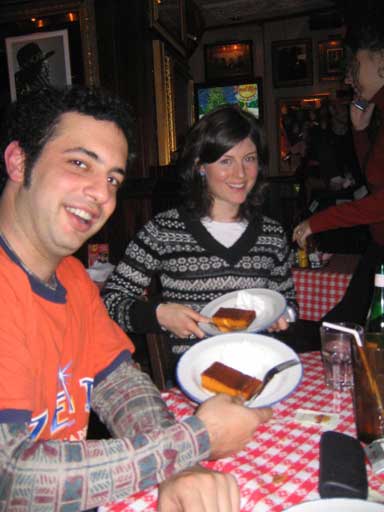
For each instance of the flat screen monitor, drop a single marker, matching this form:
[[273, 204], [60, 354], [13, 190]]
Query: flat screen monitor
[[246, 93]]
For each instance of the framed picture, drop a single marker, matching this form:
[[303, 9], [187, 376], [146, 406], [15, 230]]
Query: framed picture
[[167, 17], [331, 60], [296, 117], [292, 63], [77, 17], [228, 60], [245, 93], [38, 60]]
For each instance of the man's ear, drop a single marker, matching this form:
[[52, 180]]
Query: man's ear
[[14, 158]]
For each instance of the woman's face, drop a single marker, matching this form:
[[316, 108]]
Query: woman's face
[[231, 178], [363, 73]]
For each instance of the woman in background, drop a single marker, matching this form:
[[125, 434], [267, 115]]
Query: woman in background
[[366, 76], [217, 242]]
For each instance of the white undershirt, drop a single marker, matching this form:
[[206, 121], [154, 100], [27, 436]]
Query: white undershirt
[[227, 233]]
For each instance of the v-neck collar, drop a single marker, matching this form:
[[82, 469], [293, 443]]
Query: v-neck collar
[[230, 254]]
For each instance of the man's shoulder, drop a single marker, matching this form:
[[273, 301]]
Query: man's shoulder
[[71, 270]]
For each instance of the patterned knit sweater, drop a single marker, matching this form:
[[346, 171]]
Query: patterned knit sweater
[[194, 269]]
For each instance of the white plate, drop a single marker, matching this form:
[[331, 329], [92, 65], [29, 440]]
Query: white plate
[[268, 304], [253, 354], [337, 505]]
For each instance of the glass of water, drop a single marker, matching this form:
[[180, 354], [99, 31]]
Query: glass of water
[[337, 356]]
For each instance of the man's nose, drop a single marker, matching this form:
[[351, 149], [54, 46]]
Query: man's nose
[[98, 189]]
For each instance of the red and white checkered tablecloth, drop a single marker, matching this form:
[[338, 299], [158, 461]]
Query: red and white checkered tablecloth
[[319, 290], [279, 467]]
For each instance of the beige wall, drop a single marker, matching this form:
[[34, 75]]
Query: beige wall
[[262, 37]]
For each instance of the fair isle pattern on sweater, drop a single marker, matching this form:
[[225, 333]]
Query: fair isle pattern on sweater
[[194, 268]]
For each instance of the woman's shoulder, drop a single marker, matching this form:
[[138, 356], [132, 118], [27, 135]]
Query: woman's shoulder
[[271, 225], [168, 220]]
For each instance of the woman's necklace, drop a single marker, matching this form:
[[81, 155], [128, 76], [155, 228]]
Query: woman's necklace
[[52, 281]]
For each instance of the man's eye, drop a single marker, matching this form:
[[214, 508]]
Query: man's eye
[[114, 181]]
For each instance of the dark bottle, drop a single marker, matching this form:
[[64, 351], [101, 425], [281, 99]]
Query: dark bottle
[[374, 326]]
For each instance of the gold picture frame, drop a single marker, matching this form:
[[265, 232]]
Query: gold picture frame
[[165, 103], [168, 19]]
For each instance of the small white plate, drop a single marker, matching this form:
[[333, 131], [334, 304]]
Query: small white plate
[[337, 505], [252, 354], [268, 304]]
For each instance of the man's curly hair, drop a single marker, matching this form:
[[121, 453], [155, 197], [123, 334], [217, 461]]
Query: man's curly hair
[[32, 120]]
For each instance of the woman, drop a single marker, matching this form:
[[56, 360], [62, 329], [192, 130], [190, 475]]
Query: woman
[[366, 76], [217, 242]]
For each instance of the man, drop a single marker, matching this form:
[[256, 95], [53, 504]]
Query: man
[[33, 70], [65, 155]]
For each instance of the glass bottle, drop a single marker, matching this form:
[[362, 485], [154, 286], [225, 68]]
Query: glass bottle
[[374, 326]]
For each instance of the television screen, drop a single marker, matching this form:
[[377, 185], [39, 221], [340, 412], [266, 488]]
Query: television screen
[[247, 94]]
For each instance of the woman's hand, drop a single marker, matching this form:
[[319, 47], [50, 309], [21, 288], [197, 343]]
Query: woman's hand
[[301, 233], [180, 320], [361, 118], [281, 325]]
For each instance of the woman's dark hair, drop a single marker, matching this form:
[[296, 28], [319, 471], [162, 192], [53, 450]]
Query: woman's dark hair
[[365, 29], [33, 118], [212, 136]]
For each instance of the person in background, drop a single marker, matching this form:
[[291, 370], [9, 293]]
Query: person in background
[[64, 156], [217, 242], [34, 71], [365, 74]]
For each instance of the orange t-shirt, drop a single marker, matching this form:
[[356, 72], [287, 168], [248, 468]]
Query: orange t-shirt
[[53, 344]]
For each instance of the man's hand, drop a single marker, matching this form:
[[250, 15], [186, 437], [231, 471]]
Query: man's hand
[[230, 424], [301, 233], [199, 490], [361, 118], [180, 320]]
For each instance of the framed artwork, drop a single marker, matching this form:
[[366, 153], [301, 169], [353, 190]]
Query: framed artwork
[[38, 60], [228, 60], [245, 93], [331, 60], [167, 17], [78, 56], [296, 117], [292, 63]]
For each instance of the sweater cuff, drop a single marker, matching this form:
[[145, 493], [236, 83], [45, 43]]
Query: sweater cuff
[[143, 316], [202, 445]]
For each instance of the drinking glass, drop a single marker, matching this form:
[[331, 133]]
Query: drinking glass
[[337, 357]]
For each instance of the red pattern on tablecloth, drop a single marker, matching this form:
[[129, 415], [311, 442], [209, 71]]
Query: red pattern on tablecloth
[[279, 467], [318, 292]]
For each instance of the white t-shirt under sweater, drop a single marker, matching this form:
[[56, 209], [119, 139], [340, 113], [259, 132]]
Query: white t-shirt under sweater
[[227, 233]]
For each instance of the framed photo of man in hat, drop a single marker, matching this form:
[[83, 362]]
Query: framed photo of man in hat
[[38, 60]]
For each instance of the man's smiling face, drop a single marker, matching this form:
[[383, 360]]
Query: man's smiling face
[[73, 184]]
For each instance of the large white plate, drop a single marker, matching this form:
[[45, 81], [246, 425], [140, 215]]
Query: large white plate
[[268, 304], [253, 354], [337, 505]]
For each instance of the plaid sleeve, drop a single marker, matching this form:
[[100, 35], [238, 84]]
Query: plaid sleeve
[[85, 474]]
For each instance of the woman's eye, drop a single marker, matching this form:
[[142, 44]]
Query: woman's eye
[[251, 158], [79, 163], [225, 161]]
